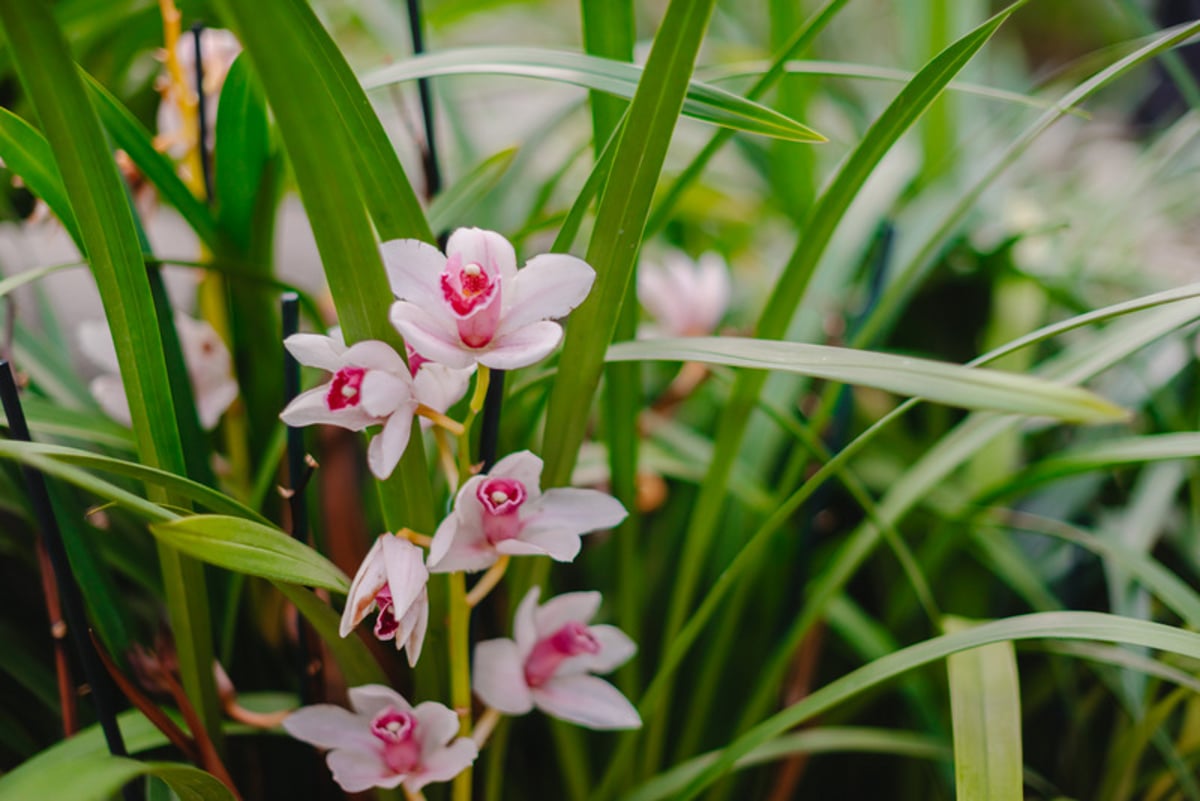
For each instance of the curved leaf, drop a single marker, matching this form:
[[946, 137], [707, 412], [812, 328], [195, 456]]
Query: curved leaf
[[27, 153], [955, 385], [98, 777], [703, 102], [251, 548]]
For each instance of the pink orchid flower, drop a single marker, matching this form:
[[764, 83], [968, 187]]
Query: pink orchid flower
[[550, 662], [505, 512], [385, 741], [371, 385], [474, 306], [391, 578], [687, 298], [437, 386]]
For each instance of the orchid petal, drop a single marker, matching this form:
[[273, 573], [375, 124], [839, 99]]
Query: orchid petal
[[374, 355], [385, 450], [368, 581], [315, 350], [212, 402], [328, 726], [521, 347], [525, 630], [563, 609], [547, 288], [413, 627], [311, 407], [97, 346], [371, 699], [413, 269], [439, 387], [588, 701], [573, 510], [383, 393], [406, 572], [498, 677], [486, 248], [444, 764], [437, 724], [358, 770], [524, 466], [434, 337], [561, 546], [616, 648]]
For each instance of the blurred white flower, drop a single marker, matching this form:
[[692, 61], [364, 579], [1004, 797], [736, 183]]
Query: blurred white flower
[[550, 661], [209, 367], [687, 298], [385, 741], [474, 306], [218, 49], [391, 578]]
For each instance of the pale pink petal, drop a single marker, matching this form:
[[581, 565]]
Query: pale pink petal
[[615, 650], [498, 677], [561, 546], [369, 580], [415, 639], [444, 764], [383, 393], [713, 291], [525, 630], [213, 400], [434, 337], [374, 355], [315, 350], [547, 288], [569, 509], [328, 726], [109, 392], [459, 542], [371, 699], [406, 573], [524, 466], [521, 347], [486, 248], [437, 725], [385, 450], [96, 345], [439, 387], [311, 407], [414, 270], [357, 770], [562, 609], [588, 701]]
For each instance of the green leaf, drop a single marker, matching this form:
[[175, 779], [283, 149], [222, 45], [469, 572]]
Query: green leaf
[[106, 226], [27, 153], [703, 102], [985, 703], [131, 136], [98, 777], [955, 385], [454, 206], [1087, 626], [251, 548], [242, 152], [352, 655]]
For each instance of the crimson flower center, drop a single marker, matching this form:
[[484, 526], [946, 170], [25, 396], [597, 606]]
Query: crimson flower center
[[397, 731], [344, 390], [548, 654], [501, 499]]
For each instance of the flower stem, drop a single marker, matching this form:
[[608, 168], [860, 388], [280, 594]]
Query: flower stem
[[414, 537], [446, 457], [482, 379], [483, 728], [450, 424], [182, 95], [460, 670], [488, 583]]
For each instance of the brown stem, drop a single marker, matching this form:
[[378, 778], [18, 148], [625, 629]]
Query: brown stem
[[58, 633], [804, 670], [209, 759]]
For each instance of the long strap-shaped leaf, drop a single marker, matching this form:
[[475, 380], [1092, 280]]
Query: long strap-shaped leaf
[[620, 219], [106, 227]]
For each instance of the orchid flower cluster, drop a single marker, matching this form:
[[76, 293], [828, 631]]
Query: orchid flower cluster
[[461, 313]]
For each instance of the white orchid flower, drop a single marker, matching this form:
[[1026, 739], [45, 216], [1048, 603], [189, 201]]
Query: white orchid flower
[[686, 298], [393, 579]]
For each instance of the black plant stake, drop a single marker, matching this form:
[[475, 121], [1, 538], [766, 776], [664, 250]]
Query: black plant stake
[[93, 670], [201, 111], [433, 172]]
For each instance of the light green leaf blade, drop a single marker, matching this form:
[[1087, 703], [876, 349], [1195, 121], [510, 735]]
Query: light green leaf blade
[[985, 704], [703, 102], [98, 777], [452, 208], [970, 388], [251, 548], [27, 153]]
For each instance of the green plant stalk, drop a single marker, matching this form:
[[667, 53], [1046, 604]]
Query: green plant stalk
[[792, 164], [460, 670], [817, 231], [45, 65]]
